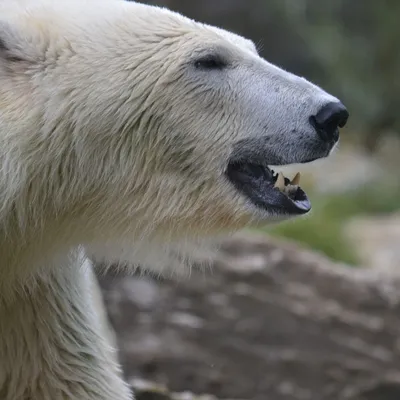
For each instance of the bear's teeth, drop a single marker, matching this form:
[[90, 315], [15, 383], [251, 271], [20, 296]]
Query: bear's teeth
[[296, 180], [280, 182], [292, 186]]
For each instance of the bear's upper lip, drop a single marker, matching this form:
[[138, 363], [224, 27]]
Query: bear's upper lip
[[268, 190]]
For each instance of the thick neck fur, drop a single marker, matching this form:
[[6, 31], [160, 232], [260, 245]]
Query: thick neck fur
[[50, 346]]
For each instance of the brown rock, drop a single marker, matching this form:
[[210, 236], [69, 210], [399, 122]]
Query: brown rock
[[269, 321]]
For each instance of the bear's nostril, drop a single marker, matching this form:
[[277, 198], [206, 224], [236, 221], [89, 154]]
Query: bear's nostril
[[328, 119]]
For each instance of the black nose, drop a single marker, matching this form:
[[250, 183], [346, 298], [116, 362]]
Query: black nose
[[328, 119]]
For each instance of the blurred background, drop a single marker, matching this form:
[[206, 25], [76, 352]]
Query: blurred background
[[278, 320]]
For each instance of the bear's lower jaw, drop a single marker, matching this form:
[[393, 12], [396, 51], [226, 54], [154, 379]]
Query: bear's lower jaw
[[267, 190]]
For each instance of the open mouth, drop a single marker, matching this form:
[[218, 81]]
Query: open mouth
[[267, 189]]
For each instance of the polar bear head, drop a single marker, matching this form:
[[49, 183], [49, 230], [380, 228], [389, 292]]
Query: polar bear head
[[121, 122]]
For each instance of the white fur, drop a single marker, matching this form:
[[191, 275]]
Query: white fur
[[112, 142]]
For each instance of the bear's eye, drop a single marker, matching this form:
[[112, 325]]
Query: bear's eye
[[210, 62]]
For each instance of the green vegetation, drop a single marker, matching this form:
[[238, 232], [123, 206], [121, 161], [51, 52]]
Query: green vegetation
[[322, 230]]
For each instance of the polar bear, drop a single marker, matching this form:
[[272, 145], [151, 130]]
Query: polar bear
[[130, 134]]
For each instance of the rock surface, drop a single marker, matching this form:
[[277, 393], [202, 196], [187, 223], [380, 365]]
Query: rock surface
[[269, 321]]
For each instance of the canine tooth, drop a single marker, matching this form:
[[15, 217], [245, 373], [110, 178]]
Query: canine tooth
[[280, 182], [296, 180]]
